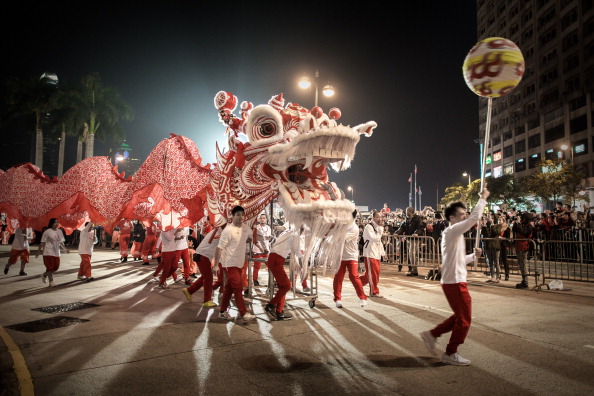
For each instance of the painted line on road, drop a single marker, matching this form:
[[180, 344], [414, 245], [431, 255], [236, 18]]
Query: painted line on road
[[589, 346], [20, 366]]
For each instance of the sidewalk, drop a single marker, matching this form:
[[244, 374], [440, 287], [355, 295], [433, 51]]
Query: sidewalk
[[132, 338]]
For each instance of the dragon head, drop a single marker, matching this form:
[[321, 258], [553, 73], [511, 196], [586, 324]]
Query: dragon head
[[287, 152]]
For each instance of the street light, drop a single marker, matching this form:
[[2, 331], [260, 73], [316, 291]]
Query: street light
[[565, 146], [305, 83], [352, 193], [467, 174]]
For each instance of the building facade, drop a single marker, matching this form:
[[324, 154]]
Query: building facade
[[550, 113]]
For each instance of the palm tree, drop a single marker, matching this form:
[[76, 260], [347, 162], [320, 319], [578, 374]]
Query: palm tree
[[37, 97], [103, 108]]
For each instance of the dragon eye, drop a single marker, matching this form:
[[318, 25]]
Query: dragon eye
[[268, 129]]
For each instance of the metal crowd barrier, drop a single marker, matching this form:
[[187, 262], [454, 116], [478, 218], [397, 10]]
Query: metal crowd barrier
[[416, 252]]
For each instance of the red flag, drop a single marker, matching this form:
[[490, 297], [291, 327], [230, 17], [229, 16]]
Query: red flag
[[415, 169], [410, 178]]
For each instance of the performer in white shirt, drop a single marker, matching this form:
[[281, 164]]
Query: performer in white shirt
[[453, 279], [20, 248], [173, 242], [350, 261], [206, 250], [373, 251], [231, 254], [261, 244], [85, 250], [52, 241]]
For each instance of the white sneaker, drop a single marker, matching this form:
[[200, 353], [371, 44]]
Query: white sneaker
[[455, 360], [225, 315], [363, 303], [338, 304], [81, 277], [43, 278], [156, 279], [429, 341], [52, 284], [247, 317]]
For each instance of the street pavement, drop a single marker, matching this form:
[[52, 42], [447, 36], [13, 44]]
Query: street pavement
[[138, 339]]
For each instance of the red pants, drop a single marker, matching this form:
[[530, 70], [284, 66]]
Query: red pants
[[136, 249], [233, 286], [169, 262], [353, 267], [257, 265], [185, 256], [85, 265], [276, 266], [205, 267], [124, 241], [372, 266], [52, 263], [15, 254], [148, 247], [459, 323]]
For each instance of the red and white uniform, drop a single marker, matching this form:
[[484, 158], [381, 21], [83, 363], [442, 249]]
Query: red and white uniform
[[206, 250], [373, 251], [125, 230], [85, 250], [233, 248], [261, 246], [349, 261], [20, 246]]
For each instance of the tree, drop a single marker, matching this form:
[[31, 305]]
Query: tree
[[35, 97], [555, 179], [507, 190], [454, 193], [102, 109]]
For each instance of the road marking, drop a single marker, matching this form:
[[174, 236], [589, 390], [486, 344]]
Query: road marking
[[20, 366]]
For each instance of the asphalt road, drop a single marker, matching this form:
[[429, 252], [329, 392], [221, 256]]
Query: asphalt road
[[132, 338]]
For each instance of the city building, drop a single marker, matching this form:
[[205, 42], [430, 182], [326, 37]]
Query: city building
[[549, 114]]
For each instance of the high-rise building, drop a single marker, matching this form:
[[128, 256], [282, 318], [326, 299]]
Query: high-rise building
[[550, 113]]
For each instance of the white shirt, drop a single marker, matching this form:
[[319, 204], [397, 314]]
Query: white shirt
[[208, 247], [169, 241], [21, 240], [87, 240], [52, 239], [288, 240], [263, 235], [372, 236], [350, 252], [233, 243], [453, 247]]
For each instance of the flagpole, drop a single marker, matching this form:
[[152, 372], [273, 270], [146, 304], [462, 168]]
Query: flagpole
[[410, 200], [415, 187]]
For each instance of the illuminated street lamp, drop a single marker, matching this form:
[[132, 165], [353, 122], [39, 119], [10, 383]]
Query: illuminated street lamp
[[467, 174], [305, 83], [565, 147], [352, 193]]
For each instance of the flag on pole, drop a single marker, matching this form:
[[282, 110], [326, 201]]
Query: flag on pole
[[415, 169], [410, 178]]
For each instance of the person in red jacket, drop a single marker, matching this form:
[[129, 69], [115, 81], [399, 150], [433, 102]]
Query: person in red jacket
[[125, 231]]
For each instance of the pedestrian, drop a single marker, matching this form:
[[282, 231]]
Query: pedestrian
[[124, 239], [52, 241], [453, 280], [231, 254], [522, 231], [137, 237], [86, 243], [413, 227], [20, 248], [173, 243], [261, 245], [349, 261], [149, 246], [287, 241], [373, 251], [205, 251]]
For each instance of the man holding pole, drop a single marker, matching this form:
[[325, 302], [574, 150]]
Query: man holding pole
[[453, 280]]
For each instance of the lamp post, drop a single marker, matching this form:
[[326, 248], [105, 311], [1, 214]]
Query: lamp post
[[565, 147], [352, 193], [305, 83], [467, 174]]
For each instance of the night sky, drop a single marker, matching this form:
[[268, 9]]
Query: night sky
[[400, 67]]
